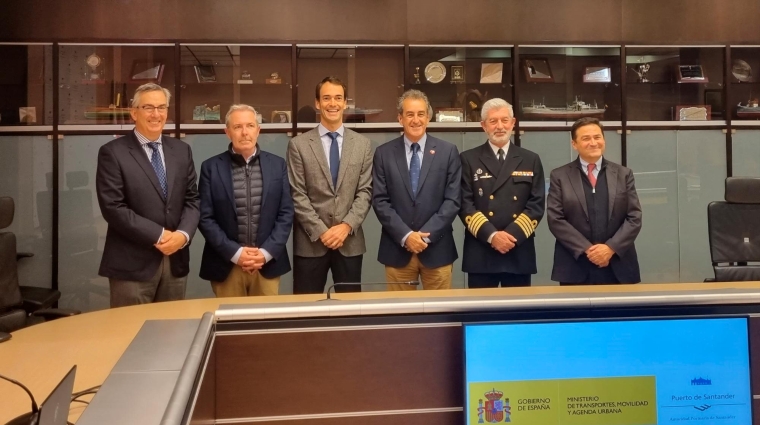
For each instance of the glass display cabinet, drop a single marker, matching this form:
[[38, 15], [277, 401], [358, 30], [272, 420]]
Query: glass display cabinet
[[26, 85], [96, 81], [459, 79], [214, 77], [675, 83], [564, 83], [744, 84], [373, 74]]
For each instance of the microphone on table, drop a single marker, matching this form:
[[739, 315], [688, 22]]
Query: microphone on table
[[28, 418], [330, 288]]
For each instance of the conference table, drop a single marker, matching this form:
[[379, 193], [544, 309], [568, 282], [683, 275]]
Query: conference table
[[39, 356]]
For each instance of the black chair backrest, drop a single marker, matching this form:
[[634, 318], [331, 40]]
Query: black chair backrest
[[734, 231], [10, 294]]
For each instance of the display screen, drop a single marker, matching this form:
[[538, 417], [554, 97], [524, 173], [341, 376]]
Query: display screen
[[640, 372]]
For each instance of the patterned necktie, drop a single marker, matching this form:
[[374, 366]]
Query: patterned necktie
[[414, 168], [158, 166], [591, 176], [501, 156], [334, 157]]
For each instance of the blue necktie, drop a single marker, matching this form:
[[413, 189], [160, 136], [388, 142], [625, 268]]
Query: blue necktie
[[414, 168], [158, 166], [334, 157]]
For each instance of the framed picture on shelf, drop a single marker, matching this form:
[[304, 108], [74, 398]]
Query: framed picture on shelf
[[147, 71], [597, 74], [280, 117], [205, 73], [537, 70], [714, 99], [693, 113], [491, 73], [691, 74], [449, 115]]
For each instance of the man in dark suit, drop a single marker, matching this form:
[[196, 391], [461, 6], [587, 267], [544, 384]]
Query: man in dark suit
[[416, 185], [246, 213], [594, 212], [146, 186], [503, 196]]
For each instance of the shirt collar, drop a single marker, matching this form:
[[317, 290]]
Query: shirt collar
[[598, 163], [253, 155], [495, 148], [323, 130], [408, 143], [144, 140]]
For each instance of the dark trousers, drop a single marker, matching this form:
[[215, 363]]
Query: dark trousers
[[492, 280], [596, 276], [310, 273]]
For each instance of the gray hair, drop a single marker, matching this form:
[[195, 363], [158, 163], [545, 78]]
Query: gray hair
[[146, 88], [240, 107], [416, 95], [495, 103]]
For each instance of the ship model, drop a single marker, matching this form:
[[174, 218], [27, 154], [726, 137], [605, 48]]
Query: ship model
[[749, 111], [576, 109]]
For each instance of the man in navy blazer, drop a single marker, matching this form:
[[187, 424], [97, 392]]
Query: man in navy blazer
[[246, 213], [416, 197]]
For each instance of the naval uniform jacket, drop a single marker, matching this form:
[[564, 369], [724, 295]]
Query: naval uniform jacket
[[509, 197]]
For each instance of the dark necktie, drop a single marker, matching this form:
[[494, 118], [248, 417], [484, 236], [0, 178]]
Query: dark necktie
[[334, 157], [591, 177], [414, 168], [158, 166], [500, 154]]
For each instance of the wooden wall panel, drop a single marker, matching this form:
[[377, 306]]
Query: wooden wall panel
[[303, 373]]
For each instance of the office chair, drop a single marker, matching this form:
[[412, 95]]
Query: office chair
[[733, 226], [21, 306]]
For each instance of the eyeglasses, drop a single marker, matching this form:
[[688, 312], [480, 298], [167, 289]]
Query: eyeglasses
[[150, 108]]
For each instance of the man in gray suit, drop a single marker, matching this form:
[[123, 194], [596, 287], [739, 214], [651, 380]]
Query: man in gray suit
[[330, 170], [594, 212]]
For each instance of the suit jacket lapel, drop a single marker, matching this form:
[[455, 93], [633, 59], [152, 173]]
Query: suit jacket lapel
[[266, 172], [611, 187], [223, 170], [400, 153], [138, 153], [489, 160], [345, 155], [319, 152], [505, 173], [427, 159], [576, 181]]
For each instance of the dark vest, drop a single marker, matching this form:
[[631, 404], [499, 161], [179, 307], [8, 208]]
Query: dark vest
[[598, 207], [248, 187]]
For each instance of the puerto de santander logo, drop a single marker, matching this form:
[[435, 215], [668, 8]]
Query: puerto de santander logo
[[495, 410]]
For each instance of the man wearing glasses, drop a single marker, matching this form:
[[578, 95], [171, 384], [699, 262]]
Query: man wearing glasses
[[146, 186]]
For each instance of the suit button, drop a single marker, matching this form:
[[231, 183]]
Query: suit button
[[490, 213], [490, 197], [514, 215], [514, 197]]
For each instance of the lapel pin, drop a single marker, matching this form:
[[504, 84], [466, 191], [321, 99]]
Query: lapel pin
[[479, 171], [432, 152]]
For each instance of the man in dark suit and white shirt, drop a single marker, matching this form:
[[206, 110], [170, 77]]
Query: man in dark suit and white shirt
[[594, 212], [246, 213], [146, 187], [503, 197], [330, 170], [416, 196]]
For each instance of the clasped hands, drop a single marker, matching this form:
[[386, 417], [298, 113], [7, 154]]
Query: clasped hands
[[503, 242], [170, 242], [600, 254], [415, 242], [251, 259], [334, 237]]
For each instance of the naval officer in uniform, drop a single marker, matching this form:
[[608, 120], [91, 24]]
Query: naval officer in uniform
[[503, 199]]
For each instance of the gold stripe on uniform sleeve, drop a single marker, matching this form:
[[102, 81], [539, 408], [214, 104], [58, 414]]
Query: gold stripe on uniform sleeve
[[474, 222], [524, 222]]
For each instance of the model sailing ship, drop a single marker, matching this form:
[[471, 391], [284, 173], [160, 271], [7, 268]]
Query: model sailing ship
[[749, 111], [572, 111]]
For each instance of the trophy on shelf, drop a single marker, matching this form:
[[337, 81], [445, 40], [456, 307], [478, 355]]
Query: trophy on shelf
[[93, 74], [274, 78], [245, 78], [417, 75], [641, 71]]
